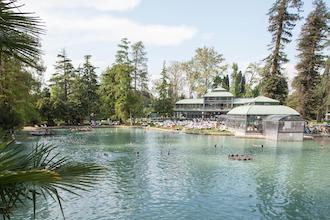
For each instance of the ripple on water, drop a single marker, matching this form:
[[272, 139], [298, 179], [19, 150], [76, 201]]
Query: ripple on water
[[179, 176]]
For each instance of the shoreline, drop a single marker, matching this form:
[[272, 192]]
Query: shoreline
[[173, 130]]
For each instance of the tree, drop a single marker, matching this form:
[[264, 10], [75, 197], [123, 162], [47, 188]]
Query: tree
[[164, 103], [107, 93], [84, 93], [176, 79], [311, 43], [221, 82], [139, 62], [235, 80], [323, 92], [191, 76], [252, 75], [45, 107], [17, 95], [19, 48], [62, 86], [242, 85], [281, 23], [122, 55], [208, 63], [123, 91]]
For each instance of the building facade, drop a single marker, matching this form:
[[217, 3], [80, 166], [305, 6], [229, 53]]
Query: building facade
[[215, 103]]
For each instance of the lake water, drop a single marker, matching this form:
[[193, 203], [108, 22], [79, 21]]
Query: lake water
[[181, 176]]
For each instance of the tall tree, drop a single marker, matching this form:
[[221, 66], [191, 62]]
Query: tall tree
[[252, 75], [164, 103], [122, 54], [45, 106], [207, 63], [139, 62], [107, 93], [123, 91], [191, 76], [17, 95], [236, 78], [62, 85], [311, 43], [88, 86], [19, 47], [176, 79], [323, 91], [242, 85], [282, 17]]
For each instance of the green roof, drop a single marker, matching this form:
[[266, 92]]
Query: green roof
[[264, 99], [243, 100], [263, 110], [190, 101]]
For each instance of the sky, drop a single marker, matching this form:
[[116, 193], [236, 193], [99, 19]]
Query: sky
[[170, 29]]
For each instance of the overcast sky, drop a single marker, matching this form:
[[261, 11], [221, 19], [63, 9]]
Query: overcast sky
[[170, 29]]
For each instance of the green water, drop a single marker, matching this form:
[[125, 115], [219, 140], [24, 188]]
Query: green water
[[180, 176]]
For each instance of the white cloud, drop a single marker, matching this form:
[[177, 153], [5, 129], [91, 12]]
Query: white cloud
[[89, 27], [107, 29], [103, 5]]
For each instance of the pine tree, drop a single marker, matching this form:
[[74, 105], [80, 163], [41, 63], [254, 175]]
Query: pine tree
[[89, 85], [164, 104], [84, 99], [281, 23], [107, 93], [122, 55], [139, 62], [61, 86], [123, 91], [311, 43]]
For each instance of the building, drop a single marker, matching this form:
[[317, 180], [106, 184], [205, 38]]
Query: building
[[284, 127], [214, 103], [256, 119], [260, 116]]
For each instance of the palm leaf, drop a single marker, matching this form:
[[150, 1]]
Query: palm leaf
[[26, 174], [19, 33]]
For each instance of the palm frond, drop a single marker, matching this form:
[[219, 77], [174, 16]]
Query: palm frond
[[29, 174], [19, 33]]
